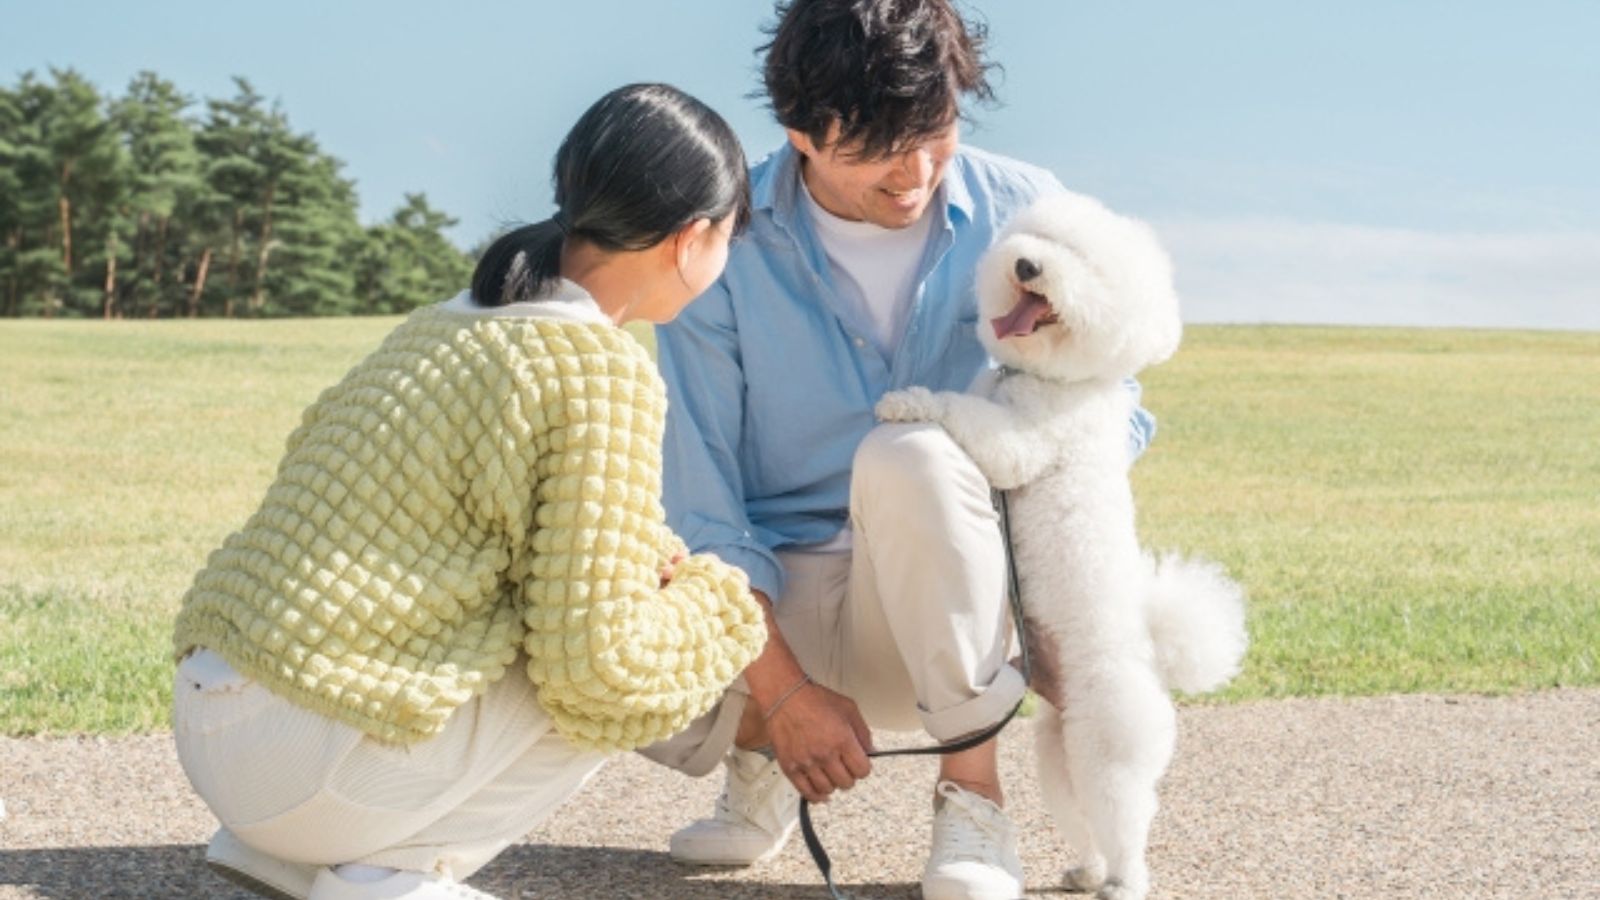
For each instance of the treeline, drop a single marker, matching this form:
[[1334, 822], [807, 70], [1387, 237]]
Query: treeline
[[149, 205]]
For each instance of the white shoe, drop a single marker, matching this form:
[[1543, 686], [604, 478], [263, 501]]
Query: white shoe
[[256, 871], [974, 853], [399, 886], [755, 815]]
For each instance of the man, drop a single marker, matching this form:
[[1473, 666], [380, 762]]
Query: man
[[874, 549]]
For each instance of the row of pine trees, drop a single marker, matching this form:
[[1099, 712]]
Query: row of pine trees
[[150, 205]]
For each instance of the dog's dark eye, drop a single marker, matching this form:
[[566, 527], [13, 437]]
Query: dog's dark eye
[[1027, 269]]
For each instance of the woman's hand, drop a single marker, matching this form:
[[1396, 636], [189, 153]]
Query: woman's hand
[[671, 567]]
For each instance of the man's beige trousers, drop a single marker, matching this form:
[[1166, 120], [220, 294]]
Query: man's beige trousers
[[913, 623]]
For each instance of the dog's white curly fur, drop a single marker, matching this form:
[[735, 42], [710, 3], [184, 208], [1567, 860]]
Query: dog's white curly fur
[[1051, 427]]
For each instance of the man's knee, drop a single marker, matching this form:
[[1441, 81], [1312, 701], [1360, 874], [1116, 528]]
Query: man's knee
[[898, 463]]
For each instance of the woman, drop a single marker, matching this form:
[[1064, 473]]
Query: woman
[[459, 593]]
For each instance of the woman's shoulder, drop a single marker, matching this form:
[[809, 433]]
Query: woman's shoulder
[[562, 349], [560, 323]]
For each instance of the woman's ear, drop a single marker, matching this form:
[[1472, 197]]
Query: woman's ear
[[690, 241]]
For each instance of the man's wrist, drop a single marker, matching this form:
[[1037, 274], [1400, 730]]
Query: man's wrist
[[797, 687], [776, 669]]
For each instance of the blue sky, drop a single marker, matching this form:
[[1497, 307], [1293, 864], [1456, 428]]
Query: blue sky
[[1400, 162]]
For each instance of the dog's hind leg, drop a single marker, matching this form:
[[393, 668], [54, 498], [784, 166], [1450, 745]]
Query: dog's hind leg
[[1125, 837], [1117, 752], [1055, 785]]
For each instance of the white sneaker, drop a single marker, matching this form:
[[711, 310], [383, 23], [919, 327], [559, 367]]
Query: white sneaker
[[399, 886], [974, 853], [755, 815], [255, 871]]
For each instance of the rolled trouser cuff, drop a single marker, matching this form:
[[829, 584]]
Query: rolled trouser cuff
[[972, 716]]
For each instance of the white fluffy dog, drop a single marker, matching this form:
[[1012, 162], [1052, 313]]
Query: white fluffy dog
[[1074, 300]]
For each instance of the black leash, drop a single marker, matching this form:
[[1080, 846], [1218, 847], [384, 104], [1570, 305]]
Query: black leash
[[813, 843]]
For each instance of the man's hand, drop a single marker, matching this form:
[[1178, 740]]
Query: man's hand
[[821, 742], [818, 736]]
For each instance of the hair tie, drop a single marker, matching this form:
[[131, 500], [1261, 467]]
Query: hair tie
[[562, 222]]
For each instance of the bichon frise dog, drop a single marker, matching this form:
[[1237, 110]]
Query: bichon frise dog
[[1074, 300]]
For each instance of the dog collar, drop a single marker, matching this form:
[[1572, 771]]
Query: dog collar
[[1004, 371]]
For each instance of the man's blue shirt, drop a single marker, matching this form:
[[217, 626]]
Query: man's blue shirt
[[772, 374]]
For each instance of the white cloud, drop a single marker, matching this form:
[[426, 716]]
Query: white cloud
[[1262, 270]]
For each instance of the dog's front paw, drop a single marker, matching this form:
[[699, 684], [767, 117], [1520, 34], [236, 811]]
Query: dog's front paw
[[913, 404]]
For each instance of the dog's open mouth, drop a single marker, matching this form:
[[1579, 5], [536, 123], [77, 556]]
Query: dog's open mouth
[[1032, 312]]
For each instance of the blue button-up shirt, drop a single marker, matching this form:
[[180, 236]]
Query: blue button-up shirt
[[772, 374]]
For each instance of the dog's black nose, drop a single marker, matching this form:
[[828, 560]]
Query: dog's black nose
[[1027, 269]]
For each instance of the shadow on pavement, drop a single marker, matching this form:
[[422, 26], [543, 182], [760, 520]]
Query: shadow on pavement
[[523, 872], [592, 873]]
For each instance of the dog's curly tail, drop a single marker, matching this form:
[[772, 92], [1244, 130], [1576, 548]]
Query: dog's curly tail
[[1196, 618]]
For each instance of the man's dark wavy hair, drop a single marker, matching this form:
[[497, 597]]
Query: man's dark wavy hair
[[891, 72]]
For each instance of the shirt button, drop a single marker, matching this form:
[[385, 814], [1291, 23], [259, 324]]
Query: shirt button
[[861, 342]]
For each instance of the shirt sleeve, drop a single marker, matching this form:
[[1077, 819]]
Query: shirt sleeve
[[704, 484], [620, 661], [1019, 186], [1141, 424], [1045, 183]]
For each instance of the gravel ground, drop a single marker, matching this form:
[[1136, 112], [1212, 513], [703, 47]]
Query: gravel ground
[[1406, 797]]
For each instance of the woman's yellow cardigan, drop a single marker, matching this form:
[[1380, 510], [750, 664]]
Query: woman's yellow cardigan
[[478, 485]]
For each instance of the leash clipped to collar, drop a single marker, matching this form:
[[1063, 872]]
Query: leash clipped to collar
[[814, 843]]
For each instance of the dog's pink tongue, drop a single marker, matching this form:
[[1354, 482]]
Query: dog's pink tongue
[[1023, 319]]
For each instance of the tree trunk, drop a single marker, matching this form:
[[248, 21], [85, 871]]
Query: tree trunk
[[257, 298], [111, 275], [233, 264], [65, 205], [14, 243], [135, 279], [161, 259], [48, 285], [199, 284]]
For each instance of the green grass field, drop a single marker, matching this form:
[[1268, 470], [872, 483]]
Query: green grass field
[[1410, 510]]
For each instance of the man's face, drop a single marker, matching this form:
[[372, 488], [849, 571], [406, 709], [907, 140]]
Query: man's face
[[891, 192]]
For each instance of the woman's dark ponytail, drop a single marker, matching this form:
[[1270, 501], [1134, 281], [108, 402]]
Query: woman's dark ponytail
[[520, 265], [643, 162]]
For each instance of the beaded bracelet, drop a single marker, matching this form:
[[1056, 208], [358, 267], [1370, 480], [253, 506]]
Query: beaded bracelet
[[804, 680]]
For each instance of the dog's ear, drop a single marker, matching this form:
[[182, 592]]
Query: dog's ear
[[1137, 317]]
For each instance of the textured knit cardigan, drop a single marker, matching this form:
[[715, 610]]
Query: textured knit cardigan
[[478, 485]]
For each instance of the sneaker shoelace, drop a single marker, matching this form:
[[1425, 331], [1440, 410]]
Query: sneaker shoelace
[[756, 782], [972, 831]]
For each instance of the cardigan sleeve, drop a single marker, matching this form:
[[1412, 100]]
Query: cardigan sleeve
[[621, 661]]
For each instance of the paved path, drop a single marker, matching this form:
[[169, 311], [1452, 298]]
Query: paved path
[[1403, 797]]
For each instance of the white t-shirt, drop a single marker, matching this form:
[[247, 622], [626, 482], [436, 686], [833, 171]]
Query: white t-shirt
[[877, 265]]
